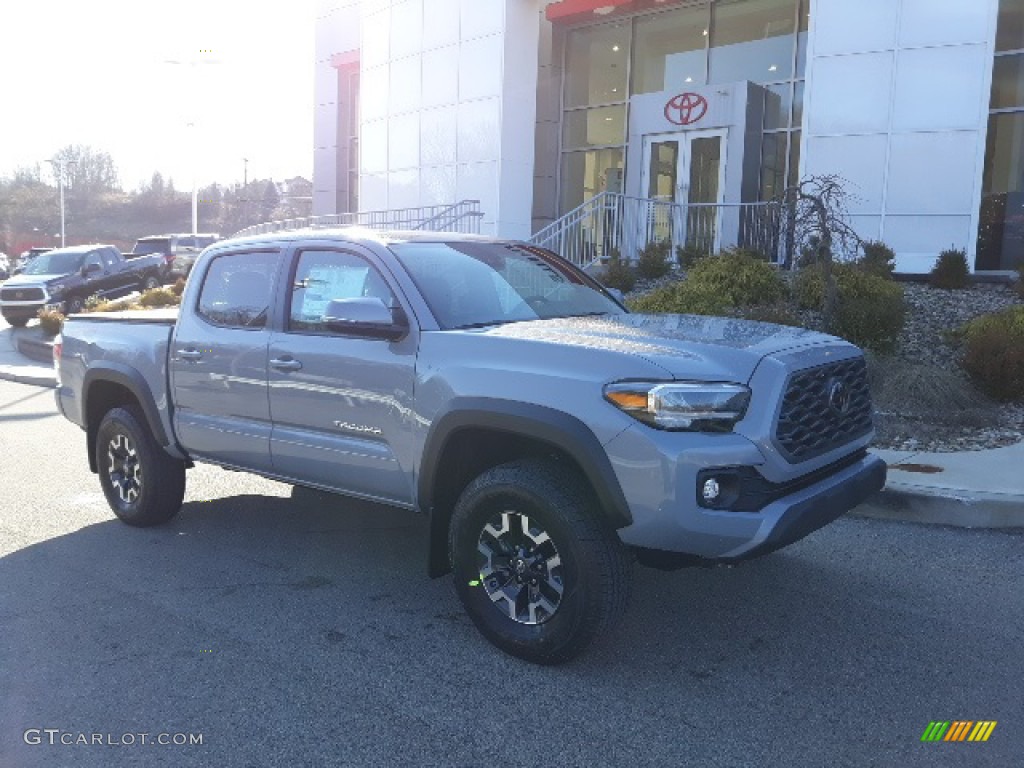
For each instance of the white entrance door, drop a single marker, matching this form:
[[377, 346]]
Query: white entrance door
[[685, 174]]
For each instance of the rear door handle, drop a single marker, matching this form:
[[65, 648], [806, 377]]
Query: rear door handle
[[190, 354], [286, 364]]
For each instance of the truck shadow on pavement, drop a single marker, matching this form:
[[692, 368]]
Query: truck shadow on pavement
[[273, 606]]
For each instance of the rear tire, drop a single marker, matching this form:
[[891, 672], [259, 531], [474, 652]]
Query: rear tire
[[150, 283], [537, 567], [144, 486]]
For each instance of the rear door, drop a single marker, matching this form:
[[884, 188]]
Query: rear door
[[342, 405], [218, 361]]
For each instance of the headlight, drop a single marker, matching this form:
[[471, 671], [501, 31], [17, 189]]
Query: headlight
[[695, 406]]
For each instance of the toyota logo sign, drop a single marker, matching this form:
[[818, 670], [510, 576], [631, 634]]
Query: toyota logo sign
[[686, 108]]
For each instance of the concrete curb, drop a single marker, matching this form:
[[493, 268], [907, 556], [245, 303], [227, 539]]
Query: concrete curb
[[955, 507], [27, 378], [40, 350]]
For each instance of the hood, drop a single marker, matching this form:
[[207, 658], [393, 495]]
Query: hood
[[684, 345], [23, 279]]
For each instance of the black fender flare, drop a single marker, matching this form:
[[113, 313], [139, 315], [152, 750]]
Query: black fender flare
[[134, 382], [548, 425]]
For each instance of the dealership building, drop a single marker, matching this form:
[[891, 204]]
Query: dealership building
[[543, 110]]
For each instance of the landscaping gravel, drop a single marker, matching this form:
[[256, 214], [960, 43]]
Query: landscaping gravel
[[951, 416]]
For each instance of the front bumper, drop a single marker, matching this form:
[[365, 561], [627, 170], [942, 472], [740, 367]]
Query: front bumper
[[659, 473]]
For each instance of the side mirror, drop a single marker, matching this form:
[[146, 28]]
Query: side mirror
[[616, 294], [367, 316], [89, 269]]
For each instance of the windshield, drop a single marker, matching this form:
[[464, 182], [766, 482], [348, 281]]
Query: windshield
[[142, 247], [55, 263], [469, 284]]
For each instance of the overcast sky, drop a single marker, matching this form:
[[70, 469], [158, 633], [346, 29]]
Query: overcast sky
[[97, 72]]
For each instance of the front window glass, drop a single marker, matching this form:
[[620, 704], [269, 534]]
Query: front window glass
[[469, 284], [595, 127], [670, 52], [237, 289], [595, 65], [322, 277], [584, 174], [55, 263], [753, 40]]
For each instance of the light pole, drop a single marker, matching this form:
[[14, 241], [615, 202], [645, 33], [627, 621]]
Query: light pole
[[59, 169]]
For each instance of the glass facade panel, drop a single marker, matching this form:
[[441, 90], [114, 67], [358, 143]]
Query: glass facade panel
[[794, 159], [1010, 27], [670, 51], [594, 127], [798, 104], [773, 168], [596, 65], [585, 174], [1008, 82], [752, 40], [776, 106], [1001, 223]]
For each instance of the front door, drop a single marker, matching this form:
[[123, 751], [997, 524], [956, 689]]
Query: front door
[[684, 174], [341, 405]]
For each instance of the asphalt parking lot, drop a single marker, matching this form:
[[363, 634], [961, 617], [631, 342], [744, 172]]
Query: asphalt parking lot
[[287, 634]]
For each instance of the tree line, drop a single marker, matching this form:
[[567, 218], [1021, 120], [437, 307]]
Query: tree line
[[98, 210]]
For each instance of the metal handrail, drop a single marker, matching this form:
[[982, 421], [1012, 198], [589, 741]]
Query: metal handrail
[[611, 223], [463, 216]]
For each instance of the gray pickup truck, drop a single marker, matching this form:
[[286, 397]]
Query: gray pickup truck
[[551, 436]]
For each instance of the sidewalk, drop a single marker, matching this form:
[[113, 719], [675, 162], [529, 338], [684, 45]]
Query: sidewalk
[[14, 366], [970, 489]]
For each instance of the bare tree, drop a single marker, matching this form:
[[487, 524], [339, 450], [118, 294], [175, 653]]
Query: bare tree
[[818, 220]]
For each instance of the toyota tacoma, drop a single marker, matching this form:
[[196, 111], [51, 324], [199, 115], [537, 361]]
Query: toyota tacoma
[[552, 437]]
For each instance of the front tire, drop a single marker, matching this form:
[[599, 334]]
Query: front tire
[[16, 322], [74, 305], [538, 569], [144, 486]]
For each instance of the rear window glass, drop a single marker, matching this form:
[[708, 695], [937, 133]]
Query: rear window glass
[[237, 289]]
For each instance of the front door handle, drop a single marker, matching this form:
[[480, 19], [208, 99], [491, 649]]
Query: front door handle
[[286, 364], [190, 354]]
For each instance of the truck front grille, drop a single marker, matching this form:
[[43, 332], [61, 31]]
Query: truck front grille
[[823, 408], [22, 294]]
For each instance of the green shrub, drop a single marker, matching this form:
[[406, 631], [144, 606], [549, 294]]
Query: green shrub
[[618, 274], [94, 301], [179, 286], [950, 271], [158, 297], [50, 320], [878, 259], [688, 255], [742, 278], [809, 285], [685, 298], [653, 260], [994, 353], [870, 310]]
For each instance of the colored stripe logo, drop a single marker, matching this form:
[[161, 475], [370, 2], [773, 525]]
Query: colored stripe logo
[[958, 730]]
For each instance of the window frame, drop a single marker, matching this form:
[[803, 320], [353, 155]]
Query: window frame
[[275, 251], [293, 270]]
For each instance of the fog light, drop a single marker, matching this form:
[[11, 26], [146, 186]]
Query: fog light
[[711, 490]]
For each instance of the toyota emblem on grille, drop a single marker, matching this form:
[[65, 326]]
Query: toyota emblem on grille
[[19, 294], [838, 396]]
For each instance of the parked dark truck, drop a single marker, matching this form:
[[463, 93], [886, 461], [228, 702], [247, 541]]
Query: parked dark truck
[[66, 277], [551, 436]]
